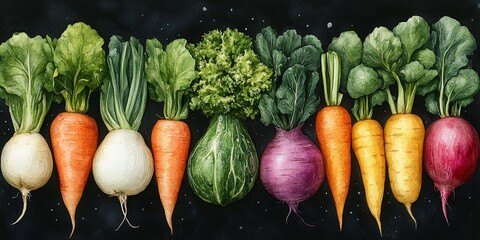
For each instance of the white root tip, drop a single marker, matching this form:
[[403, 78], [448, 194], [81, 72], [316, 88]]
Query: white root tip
[[73, 227], [122, 197], [25, 195]]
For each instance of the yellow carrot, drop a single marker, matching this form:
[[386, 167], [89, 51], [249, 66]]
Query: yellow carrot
[[404, 135], [368, 145]]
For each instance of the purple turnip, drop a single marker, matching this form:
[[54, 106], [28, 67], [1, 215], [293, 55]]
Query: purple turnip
[[450, 154], [291, 167]]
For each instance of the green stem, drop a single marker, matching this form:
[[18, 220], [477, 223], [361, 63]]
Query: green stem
[[441, 107], [325, 78], [390, 101], [401, 93]]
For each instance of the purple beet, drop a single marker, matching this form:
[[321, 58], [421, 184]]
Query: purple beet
[[291, 167], [450, 154]]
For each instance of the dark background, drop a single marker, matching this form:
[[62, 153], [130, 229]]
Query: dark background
[[258, 215]]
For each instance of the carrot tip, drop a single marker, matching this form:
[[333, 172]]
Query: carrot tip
[[379, 224], [25, 195], [408, 206], [72, 218]]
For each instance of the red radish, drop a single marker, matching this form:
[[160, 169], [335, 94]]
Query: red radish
[[451, 154], [291, 167]]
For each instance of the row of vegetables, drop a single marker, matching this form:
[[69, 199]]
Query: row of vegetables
[[230, 77]]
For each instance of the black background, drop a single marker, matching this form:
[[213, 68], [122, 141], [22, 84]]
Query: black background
[[258, 215]]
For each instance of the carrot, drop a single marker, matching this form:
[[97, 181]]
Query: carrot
[[74, 134], [333, 128], [170, 77], [170, 145], [404, 134], [367, 143], [74, 142]]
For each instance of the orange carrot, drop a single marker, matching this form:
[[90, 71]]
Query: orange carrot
[[333, 128], [368, 145], [170, 145], [404, 135], [74, 142]]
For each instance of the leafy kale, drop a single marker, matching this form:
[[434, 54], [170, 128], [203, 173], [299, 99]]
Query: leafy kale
[[295, 62], [231, 77], [457, 84], [26, 80], [170, 73]]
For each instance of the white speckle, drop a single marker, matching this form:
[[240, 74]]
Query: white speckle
[[326, 193], [95, 209], [308, 25], [214, 20], [51, 209], [299, 15], [358, 205], [322, 219], [168, 24], [266, 210], [263, 20], [185, 195], [240, 227], [151, 203], [351, 212], [358, 193], [142, 15], [231, 9], [395, 217], [83, 218], [161, 29], [358, 219], [258, 202], [260, 228], [56, 219], [204, 9], [388, 202], [143, 209], [429, 200], [181, 219], [329, 25], [246, 29], [189, 202], [478, 5], [326, 210], [469, 197]]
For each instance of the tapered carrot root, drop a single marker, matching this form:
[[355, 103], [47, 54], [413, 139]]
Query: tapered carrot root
[[334, 131], [74, 142], [170, 145], [404, 135], [368, 145]]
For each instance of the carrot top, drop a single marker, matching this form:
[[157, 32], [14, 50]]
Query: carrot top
[[401, 55], [170, 73], [123, 94], [294, 60], [80, 62], [26, 73]]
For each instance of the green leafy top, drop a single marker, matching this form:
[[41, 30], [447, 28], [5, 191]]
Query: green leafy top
[[123, 94], [80, 62], [402, 55], [231, 76], [363, 83], [295, 62], [169, 74], [457, 83], [26, 78]]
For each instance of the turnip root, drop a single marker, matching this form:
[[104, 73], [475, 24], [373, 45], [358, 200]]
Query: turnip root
[[451, 154], [123, 166], [26, 164], [291, 167]]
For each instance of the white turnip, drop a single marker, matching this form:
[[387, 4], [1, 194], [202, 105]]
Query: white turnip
[[450, 154], [291, 167], [26, 164], [123, 165]]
